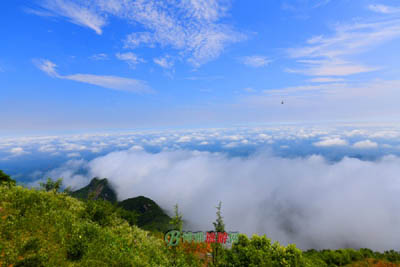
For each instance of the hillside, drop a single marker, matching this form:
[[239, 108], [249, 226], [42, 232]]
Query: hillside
[[96, 189], [39, 228], [48, 228], [149, 214]]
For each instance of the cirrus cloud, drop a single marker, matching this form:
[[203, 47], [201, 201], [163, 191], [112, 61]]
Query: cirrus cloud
[[105, 81]]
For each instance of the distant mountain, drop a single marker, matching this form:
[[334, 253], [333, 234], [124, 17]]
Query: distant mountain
[[97, 189], [150, 215]]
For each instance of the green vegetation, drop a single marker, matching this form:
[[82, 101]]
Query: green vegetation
[[6, 179], [219, 227], [258, 251], [50, 228], [51, 185], [40, 228], [150, 216], [176, 221], [97, 189], [140, 211]]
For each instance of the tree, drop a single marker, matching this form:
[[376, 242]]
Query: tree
[[177, 223], [259, 251], [6, 179], [51, 185], [219, 227], [177, 220]]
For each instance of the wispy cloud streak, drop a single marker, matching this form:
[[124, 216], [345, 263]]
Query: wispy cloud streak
[[106, 81], [331, 56]]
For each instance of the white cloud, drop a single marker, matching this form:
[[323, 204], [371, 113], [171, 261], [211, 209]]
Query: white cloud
[[130, 58], [106, 81], [331, 142], [355, 132], [47, 66], [192, 27], [332, 68], [184, 139], [136, 148], [72, 146], [256, 61], [73, 155], [231, 145], [325, 80], [384, 9], [136, 39], [100, 56], [81, 13], [47, 148], [306, 88], [264, 136], [68, 173], [320, 3], [329, 56], [390, 134], [17, 151], [164, 62], [365, 144], [112, 82], [286, 199], [208, 10]]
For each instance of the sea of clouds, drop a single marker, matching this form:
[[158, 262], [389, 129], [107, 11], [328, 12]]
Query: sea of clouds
[[318, 187]]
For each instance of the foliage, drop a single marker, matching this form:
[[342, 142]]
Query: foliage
[[40, 228], [51, 185], [349, 256], [219, 227], [96, 189], [140, 210], [176, 220], [149, 215], [6, 179], [258, 251]]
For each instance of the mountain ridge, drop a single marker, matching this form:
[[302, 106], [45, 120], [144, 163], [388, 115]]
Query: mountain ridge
[[150, 215]]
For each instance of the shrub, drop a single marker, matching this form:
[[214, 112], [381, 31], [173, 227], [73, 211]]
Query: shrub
[[40, 228]]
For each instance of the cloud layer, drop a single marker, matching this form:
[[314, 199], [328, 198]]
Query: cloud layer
[[310, 185], [310, 202]]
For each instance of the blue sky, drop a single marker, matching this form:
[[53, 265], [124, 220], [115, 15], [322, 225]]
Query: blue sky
[[67, 65]]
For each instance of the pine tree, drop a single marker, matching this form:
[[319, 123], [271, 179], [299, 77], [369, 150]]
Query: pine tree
[[177, 220], [177, 223], [219, 227]]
